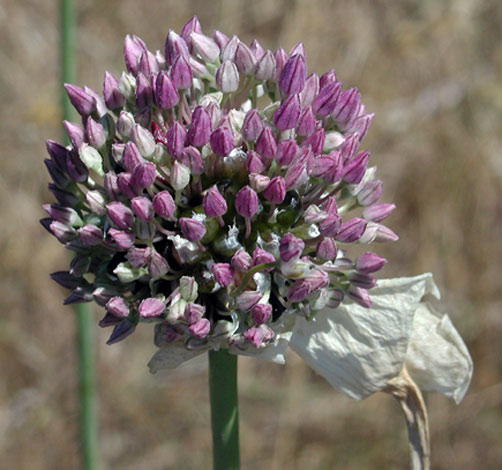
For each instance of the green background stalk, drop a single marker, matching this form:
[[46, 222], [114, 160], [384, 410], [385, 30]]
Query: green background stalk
[[84, 326], [224, 409]]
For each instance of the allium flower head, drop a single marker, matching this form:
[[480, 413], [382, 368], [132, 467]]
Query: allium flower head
[[216, 189]]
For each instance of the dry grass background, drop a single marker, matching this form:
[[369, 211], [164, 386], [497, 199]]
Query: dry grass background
[[432, 72]]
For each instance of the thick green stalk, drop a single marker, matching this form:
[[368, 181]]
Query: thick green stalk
[[87, 395], [224, 409]]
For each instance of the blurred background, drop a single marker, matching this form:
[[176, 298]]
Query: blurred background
[[431, 70]]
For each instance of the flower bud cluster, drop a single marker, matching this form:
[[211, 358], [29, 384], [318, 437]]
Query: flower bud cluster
[[214, 189]]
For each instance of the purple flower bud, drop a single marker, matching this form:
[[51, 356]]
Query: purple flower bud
[[56, 174], [315, 141], [200, 329], [222, 141], [265, 67], [276, 190], [318, 279], [298, 291], [214, 204], [363, 280], [131, 158], [325, 102], [351, 230], [58, 154], [200, 128], [292, 79], [121, 331], [151, 307], [82, 101], [246, 202], [370, 193], [223, 273], [306, 122], [191, 26], [329, 167], [330, 225], [90, 234], [254, 162], [199, 69], [327, 249], [298, 48], [143, 95], [65, 215], [96, 201], [296, 176], [384, 234], [244, 59], [157, 265], [126, 184], [175, 45], [290, 247], [256, 49], [138, 257], [252, 125], [349, 147], [280, 59], [265, 144], [359, 295], [176, 138], [247, 300], [327, 78], [111, 185], [166, 94], [133, 48], [77, 171], [163, 204], [180, 176], [378, 212], [181, 73], [192, 229], [75, 133], [144, 175], [286, 116], [258, 336], [119, 214], [142, 208], [241, 260], [66, 280], [124, 240], [354, 169], [148, 64], [205, 47], [361, 125], [111, 94], [310, 90], [227, 77], [95, 133], [261, 256], [108, 319], [347, 108], [220, 38], [369, 263], [143, 139], [194, 312], [335, 297], [260, 313], [258, 182], [118, 307], [286, 152], [229, 49], [192, 159]]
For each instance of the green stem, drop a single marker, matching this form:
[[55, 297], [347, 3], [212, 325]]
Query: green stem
[[224, 409], [88, 408]]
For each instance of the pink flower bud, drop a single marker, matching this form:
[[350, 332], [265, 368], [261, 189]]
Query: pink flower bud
[[254, 162], [95, 133], [286, 152], [258, 336], [351, 230], [378, 212], [244, 59], [82, 101], [144, 175], [265, 144], [166, 94], [126, 184], [325, 102], [143, 139], [214, 204], [296, 176], [359, 295], [369, 263], [310, 90], [194, 312], [261, 256], [276, 190], [315, 141], [318, 279], [192, 159], [370, 193], [200, 128], [223, 273], [122, 238], [193, 230], [222, 141], [298, 291], [175, 46], [265, 67], [229, 49], [227, 77], [205, 47], [306, 122], [260, 313], [143, 94], [133, 48], [111, 94], [139, 257], [157, 265], [252, 125], [241, 260], [286, 116], [181, 73], [142, 208], [354, 169], [290, 247], [176, 138], [180, 176], [151, 307], [292, 79], [118, 307], [347, 108], [131, 158], [90, 234], [363, 280], [330, 225], [220, 38], [191, 26], [256, 49], [327, 249], [349, 147], [201, 328], [119, 214], [75, 135], [329, 167], [280, 59], [246, 202], [247, 299], [163, 204]]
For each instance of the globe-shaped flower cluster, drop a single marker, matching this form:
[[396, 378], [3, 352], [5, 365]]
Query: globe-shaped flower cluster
[[214, 189]]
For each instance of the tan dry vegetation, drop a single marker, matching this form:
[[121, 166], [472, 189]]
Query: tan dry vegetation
[[431, 71]]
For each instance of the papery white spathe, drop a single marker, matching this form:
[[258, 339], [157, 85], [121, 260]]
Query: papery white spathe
[[358, 350]]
